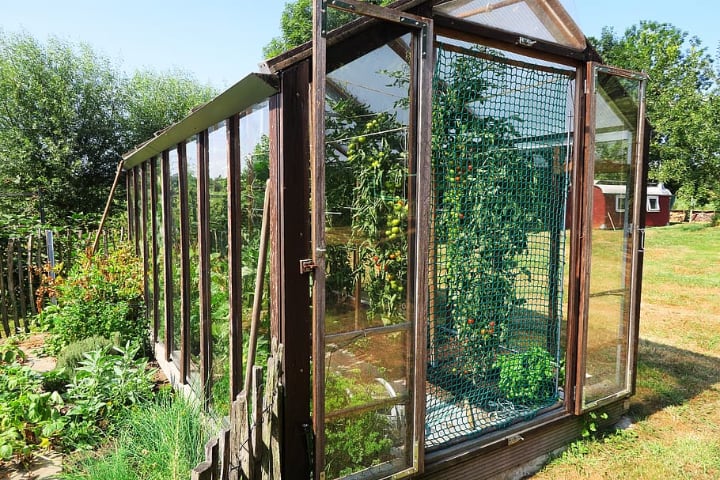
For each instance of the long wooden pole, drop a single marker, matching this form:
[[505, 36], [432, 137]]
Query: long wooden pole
[[107, 209], [259, 281]]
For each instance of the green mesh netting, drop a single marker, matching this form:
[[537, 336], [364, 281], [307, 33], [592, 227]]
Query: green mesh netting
[[500, 139]]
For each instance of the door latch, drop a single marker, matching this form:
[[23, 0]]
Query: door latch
[[307, 266]]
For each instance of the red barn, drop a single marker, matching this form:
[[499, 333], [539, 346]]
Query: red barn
[[609, 205]]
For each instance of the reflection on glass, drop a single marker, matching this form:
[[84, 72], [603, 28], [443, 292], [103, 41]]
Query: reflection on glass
[[367, 319], [176, 245], [219, 295], [160, 254], [616, 125]]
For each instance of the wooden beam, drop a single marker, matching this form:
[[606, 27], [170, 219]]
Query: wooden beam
[[185, 269], [234, 185], [167, 254], [155, 247], [203, 195], [293, 177]]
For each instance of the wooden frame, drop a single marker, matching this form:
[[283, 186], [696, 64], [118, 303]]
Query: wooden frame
[[392, 23], [203, 193], [635, 262], [234, 186], [144, 168]]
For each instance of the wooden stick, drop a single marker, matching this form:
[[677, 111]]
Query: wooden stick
[[107, 209], [259, 281]]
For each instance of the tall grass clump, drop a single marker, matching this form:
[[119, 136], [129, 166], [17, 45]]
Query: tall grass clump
[[161, 440]]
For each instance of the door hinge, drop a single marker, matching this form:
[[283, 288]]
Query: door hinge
[[307, 266]]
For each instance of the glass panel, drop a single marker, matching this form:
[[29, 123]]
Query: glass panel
[[617, 103], [501, 134], [176, 245], [194, 333], [149, 239], [160, 254], [535, 18], [255, 154], [368, 316], [219, 295]]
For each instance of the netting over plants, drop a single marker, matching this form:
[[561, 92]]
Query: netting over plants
[[500, 136]]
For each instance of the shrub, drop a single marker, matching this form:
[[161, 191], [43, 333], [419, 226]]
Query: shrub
[[73, 354], [102, 387], [100, 296]]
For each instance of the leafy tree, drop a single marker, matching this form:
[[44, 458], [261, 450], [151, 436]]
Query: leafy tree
[[682, 100], [296, 25], [66, 117]]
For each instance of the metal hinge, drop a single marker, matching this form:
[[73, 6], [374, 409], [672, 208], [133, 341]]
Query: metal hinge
[[307, 266], [526, 42]]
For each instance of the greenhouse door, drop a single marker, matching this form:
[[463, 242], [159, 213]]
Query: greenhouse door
[[609, 312], [368, 278]]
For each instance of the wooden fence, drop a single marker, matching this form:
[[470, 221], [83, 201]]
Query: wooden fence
[[23, 262], [250, 448]]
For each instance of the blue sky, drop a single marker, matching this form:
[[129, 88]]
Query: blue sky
[[220, 41]]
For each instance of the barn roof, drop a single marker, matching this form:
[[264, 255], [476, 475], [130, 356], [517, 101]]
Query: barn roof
[[619, 189]]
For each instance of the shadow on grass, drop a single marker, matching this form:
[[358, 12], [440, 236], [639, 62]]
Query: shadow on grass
[[669, 376]]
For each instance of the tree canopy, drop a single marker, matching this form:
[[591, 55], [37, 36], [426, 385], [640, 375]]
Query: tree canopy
[[66, 116], [296, 25], [682, 105]]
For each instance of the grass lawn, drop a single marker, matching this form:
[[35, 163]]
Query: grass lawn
[[677, 406]]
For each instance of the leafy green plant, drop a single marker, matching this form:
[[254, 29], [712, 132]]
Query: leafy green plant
[[591, 421], [29, 418], [101, 388], [11, 352], [528, 377], [358, 441], [100, 296], [73, 354]]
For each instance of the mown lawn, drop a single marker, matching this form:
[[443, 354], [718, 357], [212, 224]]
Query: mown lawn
[[676, 410]]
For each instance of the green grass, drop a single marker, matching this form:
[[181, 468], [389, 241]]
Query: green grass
[[163, 440], [677, 406]]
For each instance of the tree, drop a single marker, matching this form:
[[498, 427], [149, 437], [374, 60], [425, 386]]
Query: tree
[[67, 116], [682, 100], [296, 25]]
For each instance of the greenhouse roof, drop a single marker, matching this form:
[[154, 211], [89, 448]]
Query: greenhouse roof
[[247, 92], [537, 19]]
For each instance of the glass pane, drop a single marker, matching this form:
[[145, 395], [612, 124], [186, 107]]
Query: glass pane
[[613, 199], [255, 154], [176, 245], [534, 18], [219, 294], [147, 206], [194, 333], [160, 244], [368, 318]]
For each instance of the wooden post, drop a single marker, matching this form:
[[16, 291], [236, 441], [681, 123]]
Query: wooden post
[[259, 282], [256, 427], [30, 265], [21, 289], [3, 305], [239, 437], [9, 258]]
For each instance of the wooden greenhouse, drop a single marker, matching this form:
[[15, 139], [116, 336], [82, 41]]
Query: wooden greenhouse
[[440, 316]]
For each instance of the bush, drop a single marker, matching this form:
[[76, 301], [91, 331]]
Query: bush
[[71, 356], [100, 296]]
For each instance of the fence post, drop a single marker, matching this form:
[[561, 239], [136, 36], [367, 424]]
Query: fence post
[[3, 305], [9, 259], [31, 290], [21, 288]]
